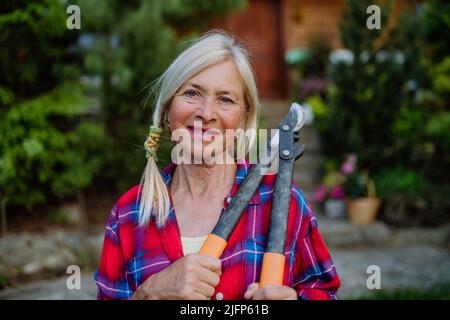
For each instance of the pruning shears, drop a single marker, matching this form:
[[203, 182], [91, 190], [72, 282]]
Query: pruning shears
[[284, 145]]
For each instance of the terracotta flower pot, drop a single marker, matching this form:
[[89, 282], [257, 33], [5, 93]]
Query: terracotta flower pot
[[363, 210]]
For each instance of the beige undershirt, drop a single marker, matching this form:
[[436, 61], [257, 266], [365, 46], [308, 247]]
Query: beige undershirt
[[192, 244]]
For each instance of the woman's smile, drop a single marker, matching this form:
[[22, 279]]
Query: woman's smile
[[204, 133]]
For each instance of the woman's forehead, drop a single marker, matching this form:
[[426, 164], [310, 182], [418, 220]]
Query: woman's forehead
[[220, 78]]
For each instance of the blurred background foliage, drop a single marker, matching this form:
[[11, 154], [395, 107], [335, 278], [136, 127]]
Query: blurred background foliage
[[73, 111], [72, 107], [387, 100], [75, 107]]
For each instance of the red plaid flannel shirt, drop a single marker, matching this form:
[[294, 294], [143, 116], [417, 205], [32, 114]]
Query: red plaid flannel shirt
[[132, 254]]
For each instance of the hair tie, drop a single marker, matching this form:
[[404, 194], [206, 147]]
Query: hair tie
[[152, 142]]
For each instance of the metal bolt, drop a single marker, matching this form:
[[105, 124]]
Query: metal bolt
[[285, 127], [286, 153]]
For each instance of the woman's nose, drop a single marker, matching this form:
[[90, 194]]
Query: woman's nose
[[207, 111]]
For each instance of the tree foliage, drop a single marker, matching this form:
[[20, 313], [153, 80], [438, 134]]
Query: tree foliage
[[388, 102], [72, 101]]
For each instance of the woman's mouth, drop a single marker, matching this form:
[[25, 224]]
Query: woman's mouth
[[196, 130], [202, 131], [203, 134]]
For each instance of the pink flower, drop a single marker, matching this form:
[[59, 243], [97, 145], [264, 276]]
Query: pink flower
[[320, 193], [337, 192], [349, 165]]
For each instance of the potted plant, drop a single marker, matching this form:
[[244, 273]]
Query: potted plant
[[331, 194], [362, 202]]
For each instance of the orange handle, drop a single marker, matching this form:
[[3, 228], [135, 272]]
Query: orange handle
[[272, 269], [213, 246]]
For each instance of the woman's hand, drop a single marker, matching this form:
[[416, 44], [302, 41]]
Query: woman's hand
[[270, 292], [193, 277]]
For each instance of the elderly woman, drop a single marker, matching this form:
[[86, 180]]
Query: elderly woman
[[156, 228]]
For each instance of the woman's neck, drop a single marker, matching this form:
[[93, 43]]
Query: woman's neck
[[198, 181]]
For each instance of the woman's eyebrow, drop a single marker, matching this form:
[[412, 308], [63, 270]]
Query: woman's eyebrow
[[200, 88], [197, 86]]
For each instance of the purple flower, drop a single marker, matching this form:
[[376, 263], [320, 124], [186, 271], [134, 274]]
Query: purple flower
[[349, 165], [337, 192], [320, 193]]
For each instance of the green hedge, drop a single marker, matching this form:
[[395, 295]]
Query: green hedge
[[49, 148]]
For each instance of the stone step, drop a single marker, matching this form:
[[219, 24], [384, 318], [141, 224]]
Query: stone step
[[420, 267], [29, 255], [308, 164], [53, 289], [342, 233], [306, 185], [309, 173]]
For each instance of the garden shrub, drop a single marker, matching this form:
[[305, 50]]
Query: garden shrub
[[49, 148]]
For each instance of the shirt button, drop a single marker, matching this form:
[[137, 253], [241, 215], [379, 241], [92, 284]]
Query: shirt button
[[219, 296], [228, 199]]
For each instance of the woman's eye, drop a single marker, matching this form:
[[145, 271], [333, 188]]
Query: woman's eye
[[226, 100], [190, 93]]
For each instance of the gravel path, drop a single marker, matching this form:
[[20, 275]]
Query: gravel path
[[418, 267], [401, 267], [54, 289]]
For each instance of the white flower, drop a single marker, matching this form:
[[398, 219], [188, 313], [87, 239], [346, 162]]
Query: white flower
[[341, 55]]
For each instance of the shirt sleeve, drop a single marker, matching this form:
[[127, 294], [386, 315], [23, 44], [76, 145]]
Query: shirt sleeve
[[315, 277], [111, 276]]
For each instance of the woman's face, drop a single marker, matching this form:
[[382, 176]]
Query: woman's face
[[206, 106]]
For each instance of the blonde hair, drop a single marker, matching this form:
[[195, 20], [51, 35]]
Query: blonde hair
[[212, 47]]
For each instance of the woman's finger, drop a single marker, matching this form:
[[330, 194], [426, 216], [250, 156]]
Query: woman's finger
[[204, 289], [272, 292], [207, 276], [210, 263], [251, 289]]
